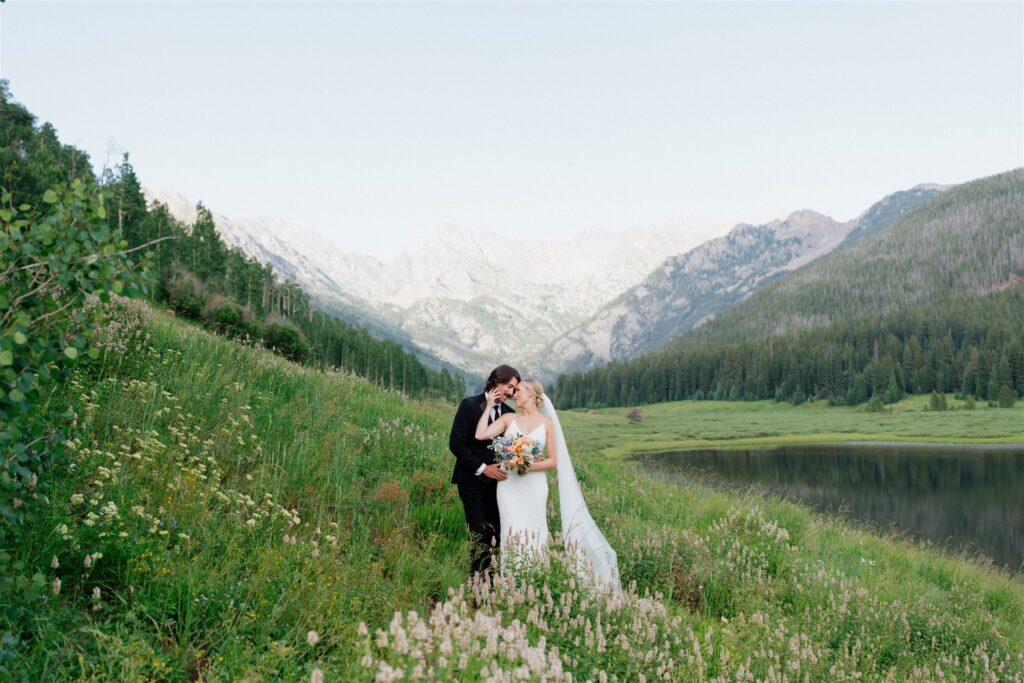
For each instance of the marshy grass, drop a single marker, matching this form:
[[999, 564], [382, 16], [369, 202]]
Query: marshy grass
[[226, 503]]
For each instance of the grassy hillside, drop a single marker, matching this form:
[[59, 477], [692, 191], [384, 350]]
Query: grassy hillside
[[225, 503]]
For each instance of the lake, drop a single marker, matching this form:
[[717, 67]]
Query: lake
[[959, 497]]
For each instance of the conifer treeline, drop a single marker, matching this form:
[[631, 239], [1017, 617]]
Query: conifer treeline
[[970, 346], [201, 277]]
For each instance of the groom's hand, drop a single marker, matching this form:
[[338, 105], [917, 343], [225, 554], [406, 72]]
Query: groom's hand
[[495, 472]]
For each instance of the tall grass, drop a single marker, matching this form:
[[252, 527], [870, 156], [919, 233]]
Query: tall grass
[[227, 503]]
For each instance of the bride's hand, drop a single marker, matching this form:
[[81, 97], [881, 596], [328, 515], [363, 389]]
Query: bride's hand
[[492, 397]]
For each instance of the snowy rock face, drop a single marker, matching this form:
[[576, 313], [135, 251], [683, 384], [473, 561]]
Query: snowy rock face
[[691, 288], [473, 299]]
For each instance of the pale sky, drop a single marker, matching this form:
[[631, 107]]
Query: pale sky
[[374, 123]]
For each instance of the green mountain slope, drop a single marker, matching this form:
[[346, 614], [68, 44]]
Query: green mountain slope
[[934, 303], [966, 241], [223, 503]]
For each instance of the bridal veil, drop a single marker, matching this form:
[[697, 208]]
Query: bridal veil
[[579, 530]]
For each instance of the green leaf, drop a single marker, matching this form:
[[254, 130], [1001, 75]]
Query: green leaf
[[6, 357], [71, 352], [20, 338], [93, 352], [50, 197], [16, 395]]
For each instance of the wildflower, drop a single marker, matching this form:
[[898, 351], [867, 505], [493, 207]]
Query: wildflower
[[55, 563], [312, 638], [55, 586], [317, 676], [363, 630], [77, 499], [88, 560], [250, 523], [96, 593]]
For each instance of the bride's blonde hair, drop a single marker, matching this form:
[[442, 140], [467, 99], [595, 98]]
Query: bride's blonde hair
[[537, 388]]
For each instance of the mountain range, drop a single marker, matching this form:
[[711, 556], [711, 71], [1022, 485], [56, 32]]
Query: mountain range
[[468, 298], [693, 287], [474, 298]]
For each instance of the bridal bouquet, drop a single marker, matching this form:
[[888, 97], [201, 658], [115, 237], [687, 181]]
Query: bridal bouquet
[[517, 454]]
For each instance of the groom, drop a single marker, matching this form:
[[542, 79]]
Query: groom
[[476, 473]]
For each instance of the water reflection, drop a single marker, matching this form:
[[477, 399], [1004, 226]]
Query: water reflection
[[959, 497]]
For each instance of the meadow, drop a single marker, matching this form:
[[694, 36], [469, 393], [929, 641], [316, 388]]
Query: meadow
[[722, 424], [233, 516]]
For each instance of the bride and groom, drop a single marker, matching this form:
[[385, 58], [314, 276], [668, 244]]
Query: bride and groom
[[507, 510]]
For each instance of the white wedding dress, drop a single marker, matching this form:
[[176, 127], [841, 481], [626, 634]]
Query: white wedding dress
[[523, 507]]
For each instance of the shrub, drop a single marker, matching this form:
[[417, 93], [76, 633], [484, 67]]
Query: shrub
[[938, 401], [284, 338], [224, 315], [875, 405], [51, 259], [185, 293], [1006, 397]]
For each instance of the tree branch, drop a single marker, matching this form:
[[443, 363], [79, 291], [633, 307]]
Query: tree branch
[[40, 264]]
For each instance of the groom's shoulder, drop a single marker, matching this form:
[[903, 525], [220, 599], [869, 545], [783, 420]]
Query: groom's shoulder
[[471, 401]]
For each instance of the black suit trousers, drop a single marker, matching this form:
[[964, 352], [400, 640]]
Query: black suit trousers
[[480, 501]]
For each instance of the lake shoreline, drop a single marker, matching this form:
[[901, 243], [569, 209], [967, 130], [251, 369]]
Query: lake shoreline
[[954, 496], [984, 445]]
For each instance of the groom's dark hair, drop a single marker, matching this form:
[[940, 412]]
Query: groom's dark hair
[[503, 374]]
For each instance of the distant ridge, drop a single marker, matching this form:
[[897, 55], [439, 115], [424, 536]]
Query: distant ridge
[[689, 289]]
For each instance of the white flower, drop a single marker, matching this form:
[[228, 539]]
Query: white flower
[[312, 638], [55, 586], [88, 560], [96, 593], [77, 499], [317, 676], [55, 563]]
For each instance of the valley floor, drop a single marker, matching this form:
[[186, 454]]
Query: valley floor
[[231, 516], [722, 424]]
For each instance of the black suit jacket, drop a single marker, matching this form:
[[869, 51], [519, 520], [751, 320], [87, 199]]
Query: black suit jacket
[[468, 451]]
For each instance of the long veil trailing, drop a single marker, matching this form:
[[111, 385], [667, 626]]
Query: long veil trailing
[[579, 530]]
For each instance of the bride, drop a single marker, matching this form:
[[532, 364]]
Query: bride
[[522, 498]]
